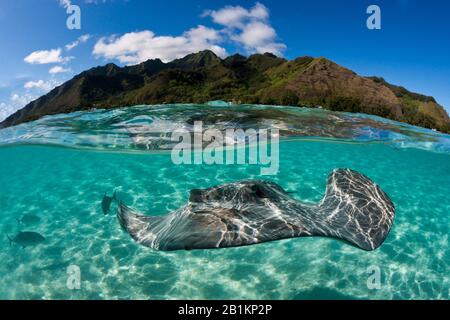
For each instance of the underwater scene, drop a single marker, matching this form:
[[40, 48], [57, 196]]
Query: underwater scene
[[56, 171]]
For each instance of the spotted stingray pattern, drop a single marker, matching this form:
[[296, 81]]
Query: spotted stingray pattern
[[354, 209]]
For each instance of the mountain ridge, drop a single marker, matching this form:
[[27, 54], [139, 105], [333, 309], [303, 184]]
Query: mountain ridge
[[257, 79]]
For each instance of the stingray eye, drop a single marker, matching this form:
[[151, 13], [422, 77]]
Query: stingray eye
[[259, 192], [196, 195]]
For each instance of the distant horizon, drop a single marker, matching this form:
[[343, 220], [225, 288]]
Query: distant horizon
[[410, 49]]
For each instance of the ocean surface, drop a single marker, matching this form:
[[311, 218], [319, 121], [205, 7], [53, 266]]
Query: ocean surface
[[59, 168]]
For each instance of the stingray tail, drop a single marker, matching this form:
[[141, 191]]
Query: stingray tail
[[355, 209], [10, 240]]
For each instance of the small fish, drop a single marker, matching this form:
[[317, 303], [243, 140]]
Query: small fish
[[26, 239], [106, 203], [29, 219]]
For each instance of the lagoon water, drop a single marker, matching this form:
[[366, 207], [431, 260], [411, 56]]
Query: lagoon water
[[59, 168]]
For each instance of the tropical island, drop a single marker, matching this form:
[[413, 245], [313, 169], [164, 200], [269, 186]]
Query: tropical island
[[257, 79]]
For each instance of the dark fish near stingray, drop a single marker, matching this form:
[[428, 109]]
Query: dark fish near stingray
[[106, 203], [29, 219], [27, 239], [354, 210]]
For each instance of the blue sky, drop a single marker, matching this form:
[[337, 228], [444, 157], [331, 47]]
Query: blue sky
[[38, 51]]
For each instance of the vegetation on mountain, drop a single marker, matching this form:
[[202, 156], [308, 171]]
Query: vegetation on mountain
[[258, 79]]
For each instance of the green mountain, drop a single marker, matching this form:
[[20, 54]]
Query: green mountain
[[258, 79]]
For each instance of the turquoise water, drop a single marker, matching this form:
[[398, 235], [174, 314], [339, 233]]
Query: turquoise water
[[64, 187]]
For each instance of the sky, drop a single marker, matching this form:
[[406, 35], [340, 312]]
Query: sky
[[38, 51]]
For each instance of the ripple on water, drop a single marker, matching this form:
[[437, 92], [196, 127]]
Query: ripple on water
[[66, 194]]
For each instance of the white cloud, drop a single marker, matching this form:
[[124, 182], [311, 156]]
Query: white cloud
[[250, 28], [259, 11], [65, 3], [81, 39], [58, 69], [21, 100], [46, 57], [33, 90], [236, 16], [16, 102], [41, 85], [5, 110], [228, 16], [135, 47], [259, 37]]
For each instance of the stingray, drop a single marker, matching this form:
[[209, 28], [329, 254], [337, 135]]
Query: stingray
[[27, 239], [106, 203], [29, 219], [354, 209]]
